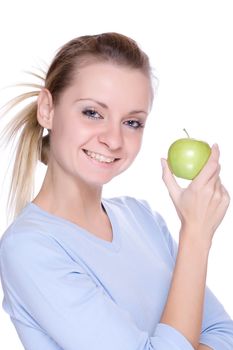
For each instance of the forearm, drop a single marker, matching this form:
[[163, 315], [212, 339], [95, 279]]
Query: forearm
[[184, 307]]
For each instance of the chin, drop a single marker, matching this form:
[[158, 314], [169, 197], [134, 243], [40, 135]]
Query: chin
[[96, 182]]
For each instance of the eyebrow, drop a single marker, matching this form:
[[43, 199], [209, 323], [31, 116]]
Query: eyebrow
[[103, 105]]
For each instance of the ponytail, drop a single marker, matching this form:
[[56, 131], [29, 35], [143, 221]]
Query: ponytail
[[28, 150]]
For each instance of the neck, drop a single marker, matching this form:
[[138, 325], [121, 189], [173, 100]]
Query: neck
[[66, 197]]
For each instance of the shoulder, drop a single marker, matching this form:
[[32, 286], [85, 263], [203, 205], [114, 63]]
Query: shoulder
[[27, 222], [21, 248], [27, 241], [32, 224], [139, 207], [150, 222]]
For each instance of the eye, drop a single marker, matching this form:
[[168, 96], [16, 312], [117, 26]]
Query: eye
[[134, 124], [91, 113]]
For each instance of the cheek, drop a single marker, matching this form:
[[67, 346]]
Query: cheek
[[63, 130], [134, 144], [61, 138], [138, 139]]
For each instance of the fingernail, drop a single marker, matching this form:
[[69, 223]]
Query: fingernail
[[163, 163]]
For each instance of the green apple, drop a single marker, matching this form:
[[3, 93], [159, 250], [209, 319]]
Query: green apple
[[187, 156]]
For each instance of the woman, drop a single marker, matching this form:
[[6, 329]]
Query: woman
[[83, 272]]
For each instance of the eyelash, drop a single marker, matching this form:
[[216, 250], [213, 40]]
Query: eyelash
[[132, 122], [91, 113]]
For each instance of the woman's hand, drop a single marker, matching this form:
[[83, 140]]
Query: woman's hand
[[202, 205]]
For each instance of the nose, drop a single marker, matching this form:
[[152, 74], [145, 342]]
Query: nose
[[112, 136]]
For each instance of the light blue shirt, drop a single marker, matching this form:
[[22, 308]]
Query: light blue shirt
[[65, 288]]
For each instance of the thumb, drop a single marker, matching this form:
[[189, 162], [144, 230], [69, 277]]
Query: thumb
[[169, 180]]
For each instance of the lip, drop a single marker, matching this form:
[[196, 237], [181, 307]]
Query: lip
[[103, 163]]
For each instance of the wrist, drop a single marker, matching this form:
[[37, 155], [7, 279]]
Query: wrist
[[195, 241]]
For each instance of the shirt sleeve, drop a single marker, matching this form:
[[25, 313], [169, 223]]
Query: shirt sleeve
[[217, 326], [47, 290]]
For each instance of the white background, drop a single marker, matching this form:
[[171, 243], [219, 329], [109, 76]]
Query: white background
[[190, 46]]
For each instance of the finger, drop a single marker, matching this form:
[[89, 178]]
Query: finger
[[222, 207], [220, 195], [217, 193], [218, 185], [210, 190], [211, 168], [214, 179], [169, 180], [226, 197], [215, 153]]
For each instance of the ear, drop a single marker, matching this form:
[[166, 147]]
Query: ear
[[45, 109]]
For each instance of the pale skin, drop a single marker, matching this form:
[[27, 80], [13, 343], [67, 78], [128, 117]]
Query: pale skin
[[201, 208], [101, 113], [109, 135]]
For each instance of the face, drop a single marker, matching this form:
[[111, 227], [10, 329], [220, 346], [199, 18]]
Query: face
[[98, 123]]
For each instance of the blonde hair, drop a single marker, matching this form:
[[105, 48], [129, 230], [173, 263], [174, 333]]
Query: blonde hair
[[32, 144]]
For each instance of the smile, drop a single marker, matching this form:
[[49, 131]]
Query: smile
[[100, 157]]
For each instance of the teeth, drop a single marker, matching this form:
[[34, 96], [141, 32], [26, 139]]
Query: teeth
[[99, 157]]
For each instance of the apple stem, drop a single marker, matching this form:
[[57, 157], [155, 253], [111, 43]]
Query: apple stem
[[186, 133]]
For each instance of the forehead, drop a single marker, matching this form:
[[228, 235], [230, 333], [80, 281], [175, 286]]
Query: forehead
[[111, 82]]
